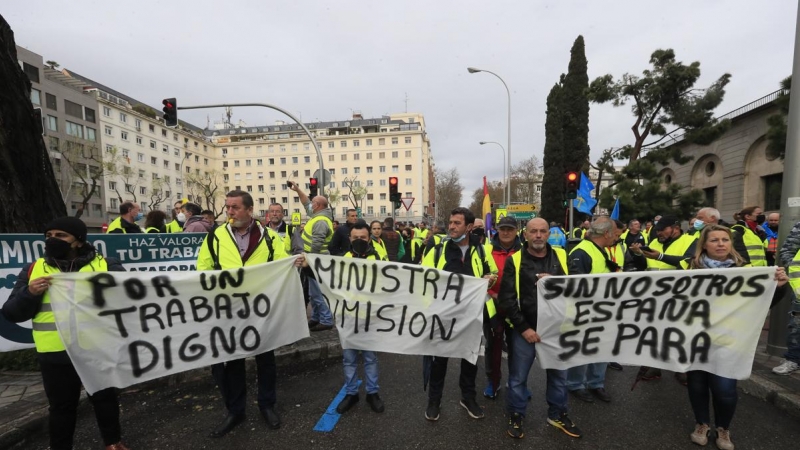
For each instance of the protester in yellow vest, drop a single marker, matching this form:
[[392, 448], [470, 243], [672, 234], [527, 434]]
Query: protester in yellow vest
[[751, 237], [715, 251], [129, 214], [178, 218], [66, 250], [518, 299], [670, 250], [376, 229], [590, 257]]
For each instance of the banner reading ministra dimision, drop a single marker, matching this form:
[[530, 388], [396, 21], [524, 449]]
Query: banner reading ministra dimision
[[122, 328], [402, 308], [676, 320]]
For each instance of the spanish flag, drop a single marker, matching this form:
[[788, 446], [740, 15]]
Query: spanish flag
[[487, 203]]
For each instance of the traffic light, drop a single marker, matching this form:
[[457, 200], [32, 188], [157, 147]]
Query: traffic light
[[394, 196], [312, 187], [572, 185], [170, 112]]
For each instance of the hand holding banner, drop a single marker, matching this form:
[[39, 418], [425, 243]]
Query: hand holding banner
[[676, 320], [122, 328]]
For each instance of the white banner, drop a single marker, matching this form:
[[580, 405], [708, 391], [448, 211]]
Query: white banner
[[122, 328], [676, 320], [402, 308]]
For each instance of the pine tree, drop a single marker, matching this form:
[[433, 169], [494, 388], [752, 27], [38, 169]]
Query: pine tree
[[575, 110], [552, 207]]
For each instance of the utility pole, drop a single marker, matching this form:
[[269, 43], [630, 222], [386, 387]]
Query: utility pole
[[790, 201]]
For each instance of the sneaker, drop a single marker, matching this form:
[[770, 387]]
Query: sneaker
[[786, 367], [724, 439], [321, 327], [700, 434], [601, 394], [566, 425], [615, 366], [374, 401], [432, 412], [652, 374], [489, 392], [347, 402], [515, 426], [472, 407], [583, 394]]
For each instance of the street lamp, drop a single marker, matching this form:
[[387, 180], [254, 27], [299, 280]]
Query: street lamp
[[504, 166], [508, 147]]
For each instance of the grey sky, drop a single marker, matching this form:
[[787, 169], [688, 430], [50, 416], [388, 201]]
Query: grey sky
[[322, 59]]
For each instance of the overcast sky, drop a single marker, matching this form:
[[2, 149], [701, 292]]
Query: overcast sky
[[323, 59]]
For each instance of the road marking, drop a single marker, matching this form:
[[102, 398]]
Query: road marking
[[329, 419]]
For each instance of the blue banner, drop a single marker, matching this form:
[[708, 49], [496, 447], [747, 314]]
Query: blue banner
[[138, 252], [584, 203]]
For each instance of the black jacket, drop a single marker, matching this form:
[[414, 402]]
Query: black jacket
[[340, 242], [524, 315]]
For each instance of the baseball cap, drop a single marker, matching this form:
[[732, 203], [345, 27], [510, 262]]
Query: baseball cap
[[507, 222], [666, 221]]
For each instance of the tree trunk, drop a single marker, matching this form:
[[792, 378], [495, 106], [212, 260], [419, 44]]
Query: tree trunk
[[31, 197]]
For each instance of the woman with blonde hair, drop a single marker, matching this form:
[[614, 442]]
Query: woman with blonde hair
[[715, 251]]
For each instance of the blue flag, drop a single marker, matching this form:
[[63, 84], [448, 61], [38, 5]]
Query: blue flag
[[584, 203], [615, 212]]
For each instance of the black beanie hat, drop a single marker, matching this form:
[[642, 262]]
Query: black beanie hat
[[71, 225]]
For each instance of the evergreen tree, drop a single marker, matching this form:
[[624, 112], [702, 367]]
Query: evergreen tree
[[663, 96], [575, 110], [552, 207], [776, 133]]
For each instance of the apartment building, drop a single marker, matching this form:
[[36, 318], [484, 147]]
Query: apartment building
[[69, 122], [360, 154]]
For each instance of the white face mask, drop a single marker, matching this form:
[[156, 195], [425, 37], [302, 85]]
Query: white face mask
[[181, 217]]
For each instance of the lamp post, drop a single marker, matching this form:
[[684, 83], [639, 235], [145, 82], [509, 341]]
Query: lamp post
[[508, 147], [504, 166]]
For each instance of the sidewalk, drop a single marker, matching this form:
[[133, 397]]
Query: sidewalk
[[781, 390], [23, 404]]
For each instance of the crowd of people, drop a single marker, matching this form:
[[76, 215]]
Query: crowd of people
[[512, 258]]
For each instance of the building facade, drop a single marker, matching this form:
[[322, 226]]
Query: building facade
[[736, 170]]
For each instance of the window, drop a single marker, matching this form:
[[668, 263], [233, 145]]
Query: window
[[248, 163], [152, 128], [369, 142], [382, 155], [344, 157], [123, 135], [31, 71], [109, 148], [89, 114], [343, 144], [261, 188], [382, 169], [272, 174], [249, 176], [307, 173], [772, 192], [109, 131], [408, 181], [123, 117], [369, 155], [395, 169], [91, 134], [356, 170], [294, 147], [259, 162], [50, 101], [394, 154], [283, 174], [142, 190], [394, 141], [175, 137], [138, 123], [153, 160], [139, 140], [383, 210], [73, 129], [36, 97], [369, 169], [283, 147], [164, 148], [383, 183], [114, 204], [306, 159], [369, 183], [236, 163], [260, 175], [382, 141], [106, 111], [356, 156], [306, 146], [330, 144], [166, 164], [52, 123], [163, 133], [112, 185], [408, 153], [141, 157], [408, 167], [330, 158], [408, 139], [294, 159], [344, 171], [370, 210], [153, 145]]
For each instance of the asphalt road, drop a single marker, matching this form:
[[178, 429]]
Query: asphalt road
[[656, 415]]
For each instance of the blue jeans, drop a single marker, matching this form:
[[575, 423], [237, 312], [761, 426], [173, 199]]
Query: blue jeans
[[723, 394], [517, 400], [350, 365], [591, 376], [320, 311], [793, 339]]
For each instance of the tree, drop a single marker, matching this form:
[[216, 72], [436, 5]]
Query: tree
[[566, 131], [495, 193], [524, 177], [357, 192], [205, 190], [552, 208], [81, 171], [776, 134], [663, 96], [448, 191], [31, 197]]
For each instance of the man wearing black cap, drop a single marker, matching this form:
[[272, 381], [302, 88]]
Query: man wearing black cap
[[672, 249], [65, 250]]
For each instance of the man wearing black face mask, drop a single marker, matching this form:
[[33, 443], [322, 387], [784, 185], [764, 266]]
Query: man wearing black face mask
[[129, 213], [66, 250], [479, 230]]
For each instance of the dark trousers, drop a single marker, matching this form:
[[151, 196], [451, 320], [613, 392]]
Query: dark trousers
[[230, 378], [722, 392], [492, 329], [466, 381], [63, 388]]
